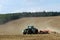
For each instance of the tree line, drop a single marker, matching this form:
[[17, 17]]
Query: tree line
[[13, 16]]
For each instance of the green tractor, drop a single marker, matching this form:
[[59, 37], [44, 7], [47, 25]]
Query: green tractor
[[30, 30]]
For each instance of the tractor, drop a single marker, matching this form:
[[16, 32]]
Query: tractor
[[30, 30]]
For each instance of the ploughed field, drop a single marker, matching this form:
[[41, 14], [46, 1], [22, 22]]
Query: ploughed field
[[13, 30], [31, 37], [16, 27]]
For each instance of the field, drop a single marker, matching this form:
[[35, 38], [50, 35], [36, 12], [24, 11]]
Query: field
[[16, 27], [13, 29], [31, 37]]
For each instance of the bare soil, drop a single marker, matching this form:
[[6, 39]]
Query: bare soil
[[31, 37], [16, 27]]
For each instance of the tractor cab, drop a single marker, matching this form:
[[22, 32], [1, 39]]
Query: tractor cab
[[30, 27]]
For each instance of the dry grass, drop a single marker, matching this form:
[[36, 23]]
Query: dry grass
[[31, 37]]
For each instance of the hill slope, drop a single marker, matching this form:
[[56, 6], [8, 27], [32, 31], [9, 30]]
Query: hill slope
[[4, 18], [15, 27]]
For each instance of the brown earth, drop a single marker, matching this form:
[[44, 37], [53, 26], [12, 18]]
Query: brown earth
[[17, 26], [31, 37]]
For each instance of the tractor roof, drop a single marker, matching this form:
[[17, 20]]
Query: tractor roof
[[30, 26]]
